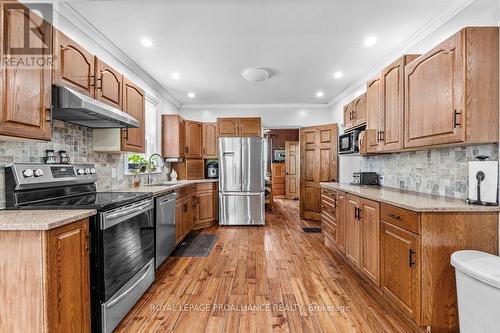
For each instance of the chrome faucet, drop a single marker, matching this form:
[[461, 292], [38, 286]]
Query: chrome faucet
[[150, 160]]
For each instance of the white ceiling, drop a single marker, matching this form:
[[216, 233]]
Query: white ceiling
[[303, 42]]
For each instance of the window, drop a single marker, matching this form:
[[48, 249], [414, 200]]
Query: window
[[150, 131]]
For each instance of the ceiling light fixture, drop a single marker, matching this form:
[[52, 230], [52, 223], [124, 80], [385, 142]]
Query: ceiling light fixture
[[338, 75], [370, 41], [191, 95], [175, 76], [146, 42], [256, 74], [320, 94]]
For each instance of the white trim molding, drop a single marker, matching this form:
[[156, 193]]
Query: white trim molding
[[255, 106]]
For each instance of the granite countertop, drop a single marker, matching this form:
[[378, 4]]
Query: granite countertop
[[162, 188], [414, 201], [40, 219]]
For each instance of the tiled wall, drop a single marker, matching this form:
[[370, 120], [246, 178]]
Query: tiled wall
[[77, 141], [436, 171]]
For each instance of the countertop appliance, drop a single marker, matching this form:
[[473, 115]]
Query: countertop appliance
[[165, 226], [483, 180], [212, 170], [121, 234], [241, 181], [279, 155], [349, 142], [365, 178]]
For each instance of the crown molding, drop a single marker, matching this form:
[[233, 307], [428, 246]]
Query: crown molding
[[65, 9], [254, 106], [403, 48]]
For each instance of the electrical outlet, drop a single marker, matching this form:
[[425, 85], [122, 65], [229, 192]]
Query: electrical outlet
[[113, 172]]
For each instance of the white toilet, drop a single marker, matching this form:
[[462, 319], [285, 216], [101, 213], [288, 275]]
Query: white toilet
[[478, 290]]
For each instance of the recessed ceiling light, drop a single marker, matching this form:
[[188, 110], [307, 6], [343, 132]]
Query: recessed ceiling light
[[175, 76], [191, 95], [256, 74], [146, 42], [320, 94], [338, 75], [370, 41]]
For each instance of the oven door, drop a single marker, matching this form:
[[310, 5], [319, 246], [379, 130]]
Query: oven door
[[346, 143], [127, 244]]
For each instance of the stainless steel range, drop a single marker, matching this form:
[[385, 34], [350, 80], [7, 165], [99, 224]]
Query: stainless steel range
[[122, 233]]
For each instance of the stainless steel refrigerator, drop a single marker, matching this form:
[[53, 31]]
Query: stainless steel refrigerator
[[241, 181]]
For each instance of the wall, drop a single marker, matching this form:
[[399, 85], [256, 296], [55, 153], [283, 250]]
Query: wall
[[437, 171], [273, 116]]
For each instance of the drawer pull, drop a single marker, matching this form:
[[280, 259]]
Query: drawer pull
[[411, 263], [394, 216]]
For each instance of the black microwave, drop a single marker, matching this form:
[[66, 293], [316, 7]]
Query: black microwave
[[349, 142]]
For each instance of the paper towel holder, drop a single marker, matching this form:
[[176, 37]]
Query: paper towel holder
[[480, 177]]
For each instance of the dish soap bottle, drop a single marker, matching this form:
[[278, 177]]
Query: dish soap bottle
[[173, 175]]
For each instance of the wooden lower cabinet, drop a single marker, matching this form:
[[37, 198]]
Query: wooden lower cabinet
[[183, 217], [46, 287], [190, 169], [405, 255], [400, 267], [206, 214]]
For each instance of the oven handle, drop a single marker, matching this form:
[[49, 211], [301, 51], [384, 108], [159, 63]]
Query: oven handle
[[126, 213], [126, 292]]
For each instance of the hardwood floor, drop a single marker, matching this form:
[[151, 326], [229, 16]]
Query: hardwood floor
[[262, 279]]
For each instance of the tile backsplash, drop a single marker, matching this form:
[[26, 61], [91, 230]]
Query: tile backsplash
[[77, 142], [437, 171]]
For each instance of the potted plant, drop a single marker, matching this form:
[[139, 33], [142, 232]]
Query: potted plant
[[135, 162]]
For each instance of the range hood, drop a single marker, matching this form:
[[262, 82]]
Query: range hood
[[73, 107]]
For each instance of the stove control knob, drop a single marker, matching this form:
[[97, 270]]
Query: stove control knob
[[38, 173], [87, 171], [92, 171], [27, 173], [80, 171]]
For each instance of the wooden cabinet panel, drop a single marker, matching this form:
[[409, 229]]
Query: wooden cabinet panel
[[250, 127], [173, 136], [434, 95], [109, 85], [133, 139], [227, 127], [194, 139], [206, 206], [348, 116], [370, 231], [25, 92], [68, 278], [353, 230], [292, 167], [210, 145], [74, 65], [341, 221], [374, 114], [318, 158], [392, 105], [400, 272], [359, 106], [191, 168]]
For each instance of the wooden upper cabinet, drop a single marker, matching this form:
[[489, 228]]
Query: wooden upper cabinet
[[450, 94], [25, 92], [250, 127], [348, 116], [194, 139], [359, 105], [109, 83], [373, 114], [210, 146], [231, 127], [133, 139], [228, 127], [369, 212], [73, 65], [391, 131], [400, 268], [68, 278], [173, 136]]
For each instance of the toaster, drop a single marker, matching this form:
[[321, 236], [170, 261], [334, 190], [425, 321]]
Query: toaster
[[365, 178]]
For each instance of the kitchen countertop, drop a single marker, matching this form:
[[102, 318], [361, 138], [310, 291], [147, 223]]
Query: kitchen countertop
[[161, 189], [40, 219], [414, 201]]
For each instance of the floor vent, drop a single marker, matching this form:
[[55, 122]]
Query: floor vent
[[311, 229]]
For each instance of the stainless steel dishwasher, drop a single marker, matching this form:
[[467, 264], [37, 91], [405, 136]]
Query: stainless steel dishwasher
[[165, 226]]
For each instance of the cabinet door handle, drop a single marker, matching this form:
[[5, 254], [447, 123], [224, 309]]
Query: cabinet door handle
[[359, 213], [382, 135], [185, 207], [356, 213], [378, 136], [48, 115], [394, 216], [411, 263], [455, 121], [125, 133], [186, 149]]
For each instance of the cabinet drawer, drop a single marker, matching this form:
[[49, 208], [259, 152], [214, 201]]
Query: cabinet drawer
[[400, 217], [329, 231], [329, 218], [207, 186], [183, 191]]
